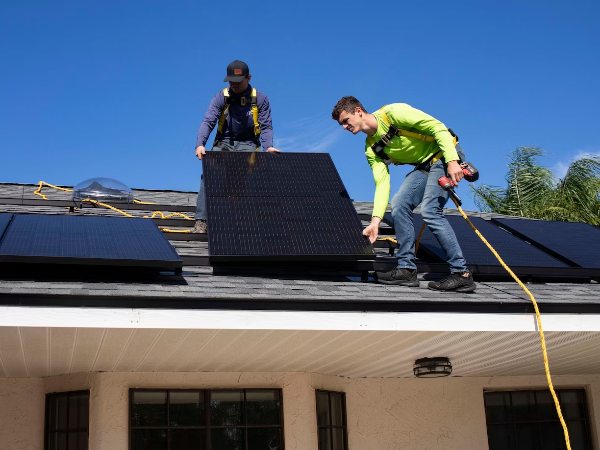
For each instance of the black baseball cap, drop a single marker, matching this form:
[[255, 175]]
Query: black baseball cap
[[236, 71]]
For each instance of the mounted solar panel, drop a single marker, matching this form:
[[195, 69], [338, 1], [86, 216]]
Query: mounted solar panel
[[86, 240], [522, 257], [578, 243], [289, 207]]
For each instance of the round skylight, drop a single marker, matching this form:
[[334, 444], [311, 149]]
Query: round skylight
[[103, 190]]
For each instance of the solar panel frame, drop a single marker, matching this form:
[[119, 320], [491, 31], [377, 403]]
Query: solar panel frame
[[5, 219], [87, 240], [289, 207]]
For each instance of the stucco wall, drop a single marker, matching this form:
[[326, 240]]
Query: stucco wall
[[21, 414], [383, 414]]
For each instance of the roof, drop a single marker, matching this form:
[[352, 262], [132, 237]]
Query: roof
[[199, 287]]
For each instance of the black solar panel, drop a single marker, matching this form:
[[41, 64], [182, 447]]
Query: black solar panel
[[515, 252], [282, 207], [577, 242], [91, 240]]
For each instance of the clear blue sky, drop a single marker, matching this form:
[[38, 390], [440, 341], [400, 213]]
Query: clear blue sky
[[117, 89]]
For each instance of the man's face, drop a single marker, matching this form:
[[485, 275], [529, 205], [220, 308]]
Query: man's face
[[239, 86], [351, 121]]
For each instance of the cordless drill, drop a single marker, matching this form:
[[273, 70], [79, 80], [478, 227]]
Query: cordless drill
[[470, 174]]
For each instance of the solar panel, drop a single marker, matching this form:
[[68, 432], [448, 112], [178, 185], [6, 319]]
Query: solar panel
[[521, 256], [279, 207], [577, 242], [90, 240]]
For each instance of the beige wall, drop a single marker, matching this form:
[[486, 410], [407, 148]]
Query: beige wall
[[383, 414]]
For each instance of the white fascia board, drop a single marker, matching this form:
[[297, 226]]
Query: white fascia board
[[16, 316]]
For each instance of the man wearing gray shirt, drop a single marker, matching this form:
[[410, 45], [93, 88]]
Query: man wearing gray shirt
[[243, 115]]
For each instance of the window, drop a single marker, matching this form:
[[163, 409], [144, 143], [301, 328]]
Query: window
[[528, 420], [331, 420], [67, 415], [241, 419]]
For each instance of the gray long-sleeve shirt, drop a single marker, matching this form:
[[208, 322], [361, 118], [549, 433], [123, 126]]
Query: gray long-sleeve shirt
[[239, 124]]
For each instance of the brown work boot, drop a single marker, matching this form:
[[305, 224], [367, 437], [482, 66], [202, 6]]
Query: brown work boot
[[200, 227]]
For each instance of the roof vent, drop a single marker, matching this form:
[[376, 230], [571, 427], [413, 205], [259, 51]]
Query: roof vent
[[103, 190]]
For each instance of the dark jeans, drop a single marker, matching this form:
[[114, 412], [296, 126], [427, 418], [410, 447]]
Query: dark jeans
[[420, 187], [220, 146]]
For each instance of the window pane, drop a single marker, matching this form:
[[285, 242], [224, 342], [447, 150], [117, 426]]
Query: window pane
[[52, 413], [264, 439], [84, 411], [337, 435], [226, 407], [188, 440], [551, 436], [522, 405], [497, 406], [149, 409], [186, 408], [262, 408], [545, 409], [571, 403], [149, 440], [324, 439], [337, 410], [226, 439], [323, 409], [500, 437], [579, 436], [61, 412], [527, 437], [82, 441], [61, 441]]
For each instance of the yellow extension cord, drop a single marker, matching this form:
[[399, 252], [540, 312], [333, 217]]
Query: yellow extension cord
[[154, 214], [538, 316]]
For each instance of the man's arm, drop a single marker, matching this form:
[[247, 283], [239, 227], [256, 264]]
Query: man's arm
[[266, 125], [381, 176], [208, 123]]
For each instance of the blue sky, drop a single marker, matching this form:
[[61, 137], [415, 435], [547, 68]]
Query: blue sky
[[118, 89]]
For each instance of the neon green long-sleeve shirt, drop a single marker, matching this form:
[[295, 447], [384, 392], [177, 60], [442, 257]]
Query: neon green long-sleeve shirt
[[404, 149]]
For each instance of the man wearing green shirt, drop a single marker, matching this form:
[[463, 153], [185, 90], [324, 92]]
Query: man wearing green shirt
[[400, 134]]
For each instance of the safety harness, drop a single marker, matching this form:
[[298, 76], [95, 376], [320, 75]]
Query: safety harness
[[243, 102], [393, 131]]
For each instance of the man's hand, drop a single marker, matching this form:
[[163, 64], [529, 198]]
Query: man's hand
[[272, 150], [372, 229], [455, 171], [200, 151]]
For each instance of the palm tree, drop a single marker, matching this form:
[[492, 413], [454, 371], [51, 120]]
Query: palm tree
[[532, 191]]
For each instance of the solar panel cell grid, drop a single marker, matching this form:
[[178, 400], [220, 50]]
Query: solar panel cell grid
[[282, 207], [513, 250], [578, 242], [85, 239]]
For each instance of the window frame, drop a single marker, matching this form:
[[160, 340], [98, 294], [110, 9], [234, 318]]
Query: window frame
[[49, 396], [207, 419], [582, 404], [331, 427]]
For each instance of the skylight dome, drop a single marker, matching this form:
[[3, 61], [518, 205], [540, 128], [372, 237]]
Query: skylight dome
[[103, 190]]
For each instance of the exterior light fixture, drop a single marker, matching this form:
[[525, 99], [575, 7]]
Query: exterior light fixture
[[438, 366]]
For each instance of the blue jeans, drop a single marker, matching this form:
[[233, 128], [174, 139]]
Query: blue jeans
[[420, 187], [220, 146]]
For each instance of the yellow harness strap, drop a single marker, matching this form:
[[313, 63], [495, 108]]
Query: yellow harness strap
[[254, 103], [415, 135]]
